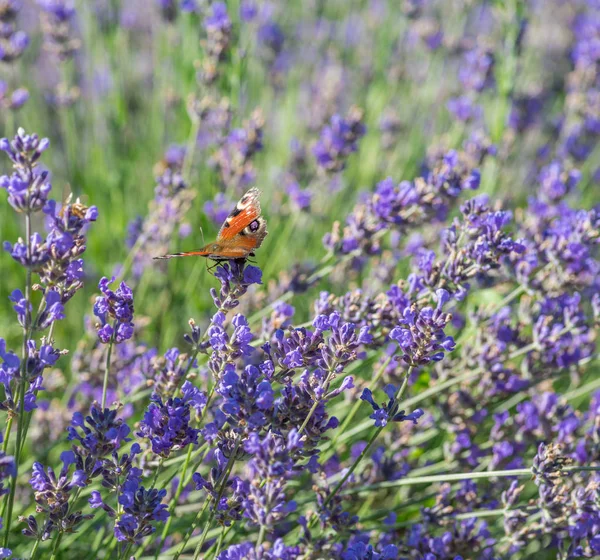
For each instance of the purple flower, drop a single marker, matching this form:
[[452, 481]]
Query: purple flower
[[167, 425], [231, 506], [141, 507], [218, 19], [248, 10], [52, 494], [556, 182], [38, 255], [58, 25], [115, 306], [463, 109], [404, 205], [476, 71], [10, 363], [168, 9], [217, 25], [13, 43], [247, 398], [53, 310], [301, 198], [7, 469], [234, 159], [420, 335], [235, 279], [275, 551], [338, 140], [389, 412], [99, 434], [20, 306], [273, 461], [27, 187], [218, 209], [364, 551], [271, 37]]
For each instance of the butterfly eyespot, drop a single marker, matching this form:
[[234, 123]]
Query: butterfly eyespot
[[254, 225]]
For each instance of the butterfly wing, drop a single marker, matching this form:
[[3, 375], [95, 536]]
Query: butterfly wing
[[242, 232], [244, 229], [245, 211]]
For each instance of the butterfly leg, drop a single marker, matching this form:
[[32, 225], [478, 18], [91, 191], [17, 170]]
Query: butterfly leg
[[210, 268]]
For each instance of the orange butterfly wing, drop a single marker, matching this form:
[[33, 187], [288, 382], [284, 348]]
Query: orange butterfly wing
[[242, 232], [244, 229], [245, 212]]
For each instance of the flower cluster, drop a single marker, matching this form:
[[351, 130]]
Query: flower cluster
[[389, 412], [58, 24], [27, 188], [52, 495], [277, 551], [166, 372], [234, 158], [247, 398], [13, 43], [405, 205], [99, 434], [338, 140], [152, 235], [217, 25], [420, 334], [472, 246], [139, 509], [57, 259], [235, 279], [114, 307], [273, 461], [167, 425], [30, 372], [228, 493]]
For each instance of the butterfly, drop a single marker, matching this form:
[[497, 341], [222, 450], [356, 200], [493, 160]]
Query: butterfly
[[242, 232]]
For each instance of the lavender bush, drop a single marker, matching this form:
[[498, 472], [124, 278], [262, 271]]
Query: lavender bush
[[407, 369]]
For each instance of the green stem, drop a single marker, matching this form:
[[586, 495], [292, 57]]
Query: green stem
[[190, 149], [8, 507], [369, 443], [126, 550], [192, 528], [50, 334], [448, 477], [318, 401], [9, 424], [207, 501], [261, 538], [183, 480], [187, 370], [34, 550], [173, 502], [56, 546], [156, 472], [107, 366], [356, 406], [222, 485], [440, 387], [219, 543]]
